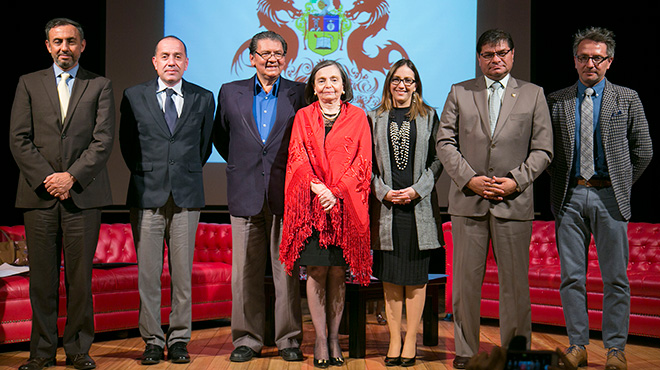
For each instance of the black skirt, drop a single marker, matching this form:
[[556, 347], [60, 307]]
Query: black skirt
[[315, 255]]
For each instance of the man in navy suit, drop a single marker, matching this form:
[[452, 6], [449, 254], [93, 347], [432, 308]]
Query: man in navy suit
[[591, 190], [61, 132], [252, 131], [165, 138]]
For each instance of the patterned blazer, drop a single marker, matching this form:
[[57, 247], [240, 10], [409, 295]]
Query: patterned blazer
[[625, 135]]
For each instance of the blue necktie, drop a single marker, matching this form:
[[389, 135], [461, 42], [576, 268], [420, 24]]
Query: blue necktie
[[170, 110]]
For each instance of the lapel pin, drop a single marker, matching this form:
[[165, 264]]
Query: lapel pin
[[513, 95]]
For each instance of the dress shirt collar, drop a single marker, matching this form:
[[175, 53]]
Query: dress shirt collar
[[177, 88], [504, 81], [58, 71], [258, 88], [598, 88]]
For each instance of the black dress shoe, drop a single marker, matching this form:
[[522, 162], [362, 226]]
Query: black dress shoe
[[37, 363], [321, 364], [178, 353], [291, 354], [242, 354], [81, 361], [460, 362], [152, 354], [392, 361], [407, 362]]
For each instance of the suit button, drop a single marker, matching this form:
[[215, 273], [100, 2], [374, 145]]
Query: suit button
[[171, 140], [265, 152], [63, 136], [490, 170], [262, 173], [493, 146], [171, 162]]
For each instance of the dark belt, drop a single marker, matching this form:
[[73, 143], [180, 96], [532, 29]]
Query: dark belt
[[593, 183]]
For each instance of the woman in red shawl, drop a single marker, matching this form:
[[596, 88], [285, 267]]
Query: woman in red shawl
[[326, 201]]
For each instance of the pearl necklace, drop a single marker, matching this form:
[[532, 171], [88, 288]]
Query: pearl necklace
[[400, 137]]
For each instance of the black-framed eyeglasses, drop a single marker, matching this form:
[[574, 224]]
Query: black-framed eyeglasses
[[597, 59], [266, 55], [406, 81], [501, 54]]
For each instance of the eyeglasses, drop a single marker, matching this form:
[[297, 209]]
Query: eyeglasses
[[597, 59], [406, 81], [266, 55], [501, 54]]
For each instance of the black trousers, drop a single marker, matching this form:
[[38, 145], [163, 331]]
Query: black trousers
[[48, 232]]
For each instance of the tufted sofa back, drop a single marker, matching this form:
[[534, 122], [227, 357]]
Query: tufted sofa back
[[644, 241], [115, 245]]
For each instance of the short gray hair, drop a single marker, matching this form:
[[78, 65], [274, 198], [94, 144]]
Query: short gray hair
[[597, 34]]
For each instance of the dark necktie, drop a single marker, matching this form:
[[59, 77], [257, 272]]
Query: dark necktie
[[587, 135], [170, 110]]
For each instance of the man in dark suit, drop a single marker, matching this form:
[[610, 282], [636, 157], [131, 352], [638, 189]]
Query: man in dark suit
[[495, 139], [252, 131], [61, 133], [165, 138], [602, 146]]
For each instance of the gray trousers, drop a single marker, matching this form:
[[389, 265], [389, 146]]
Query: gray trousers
[[177, 226], [510, 240], [252, 238], [590, 211]]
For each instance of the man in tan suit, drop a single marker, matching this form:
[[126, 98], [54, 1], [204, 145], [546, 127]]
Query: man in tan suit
[[495, 138]]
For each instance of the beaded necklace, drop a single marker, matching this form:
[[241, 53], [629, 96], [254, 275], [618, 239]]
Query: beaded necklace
[[400, 138]]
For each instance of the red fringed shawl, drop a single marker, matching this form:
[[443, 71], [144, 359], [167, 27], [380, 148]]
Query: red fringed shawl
[[341, 161]]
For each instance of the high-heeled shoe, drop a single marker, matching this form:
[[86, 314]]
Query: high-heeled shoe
[[407, 362], [321, 364], [337, 361], [392, 361]]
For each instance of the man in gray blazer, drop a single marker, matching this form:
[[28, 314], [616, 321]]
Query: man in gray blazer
[[165, 138], [252, 131], [61, 133], [495, 138], [602, 146]]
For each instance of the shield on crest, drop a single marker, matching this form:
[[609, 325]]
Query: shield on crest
[[323, 33]]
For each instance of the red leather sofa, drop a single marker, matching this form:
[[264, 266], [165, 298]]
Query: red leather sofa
[[114, 283], [545, 278]]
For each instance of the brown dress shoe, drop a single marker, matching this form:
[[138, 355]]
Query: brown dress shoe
[[576, 355], [616, 360]]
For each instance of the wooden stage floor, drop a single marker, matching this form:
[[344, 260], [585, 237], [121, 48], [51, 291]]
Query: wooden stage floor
[[211, 345]]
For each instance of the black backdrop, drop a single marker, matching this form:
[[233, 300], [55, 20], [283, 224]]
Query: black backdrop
[[552, 26]]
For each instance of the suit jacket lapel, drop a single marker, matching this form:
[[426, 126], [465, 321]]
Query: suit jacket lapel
[[381, 127], [190, 101], [508, 102], [79, 86], [245, 100], [481, 101], [608, 109], [284, 109], [151, 102], [50, 87], [569, 110]]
